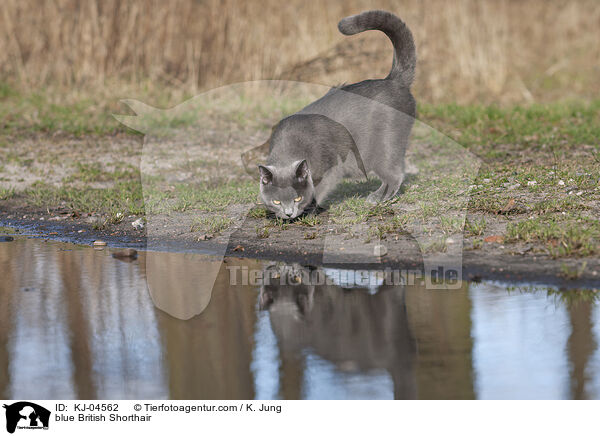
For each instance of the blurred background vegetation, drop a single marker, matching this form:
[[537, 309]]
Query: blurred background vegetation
[[503, 51]]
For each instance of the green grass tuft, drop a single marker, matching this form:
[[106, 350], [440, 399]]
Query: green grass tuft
[[563, 235], [214, 224]]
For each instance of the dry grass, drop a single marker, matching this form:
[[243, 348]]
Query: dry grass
[[469, 51]]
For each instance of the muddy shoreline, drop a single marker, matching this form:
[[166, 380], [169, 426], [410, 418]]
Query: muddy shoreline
[[514, 211], [478, 265]]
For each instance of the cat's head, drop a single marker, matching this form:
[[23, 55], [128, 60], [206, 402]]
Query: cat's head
[[288, 290], [286, 190]]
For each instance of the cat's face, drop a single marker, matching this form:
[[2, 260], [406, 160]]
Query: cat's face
[[288, 292], [286, 191]]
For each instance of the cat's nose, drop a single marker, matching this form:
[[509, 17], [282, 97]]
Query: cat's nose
[[288, 212]]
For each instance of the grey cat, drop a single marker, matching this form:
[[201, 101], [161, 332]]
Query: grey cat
[[351, 131], [302, 306]]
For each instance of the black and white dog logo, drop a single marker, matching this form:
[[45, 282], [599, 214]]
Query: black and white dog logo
[[26, 415]]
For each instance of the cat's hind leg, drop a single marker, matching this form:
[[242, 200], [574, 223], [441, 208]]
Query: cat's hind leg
[[390, 168], [376, 196], [393, 188], [391, 177]]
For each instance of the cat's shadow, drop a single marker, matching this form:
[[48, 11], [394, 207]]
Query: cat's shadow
[[350, 189], [361, 189]]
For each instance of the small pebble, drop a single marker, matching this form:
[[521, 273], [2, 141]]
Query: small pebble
[[380, 250], [99, 243], [93, 220]]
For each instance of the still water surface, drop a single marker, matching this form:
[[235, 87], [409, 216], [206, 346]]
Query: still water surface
[[77, 323]]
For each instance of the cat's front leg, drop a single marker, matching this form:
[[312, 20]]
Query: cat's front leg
[[327, 184], [322, 191]]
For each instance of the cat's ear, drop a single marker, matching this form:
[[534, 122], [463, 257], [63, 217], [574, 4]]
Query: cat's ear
[[301, 169], [266, 175]]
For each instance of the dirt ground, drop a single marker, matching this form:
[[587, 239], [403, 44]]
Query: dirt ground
[[51, 200], [514, 262]]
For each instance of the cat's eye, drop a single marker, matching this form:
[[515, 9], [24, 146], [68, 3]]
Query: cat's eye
[[276, 202], [298, 199]]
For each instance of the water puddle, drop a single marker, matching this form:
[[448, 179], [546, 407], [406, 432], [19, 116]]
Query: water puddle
[[77, 323]]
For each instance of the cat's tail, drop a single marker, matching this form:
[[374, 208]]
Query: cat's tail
[[405, 56]]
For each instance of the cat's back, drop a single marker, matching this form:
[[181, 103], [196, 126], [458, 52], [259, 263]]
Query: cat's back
[[386, 92], [314, 137], [377, 95], [304, 135]]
